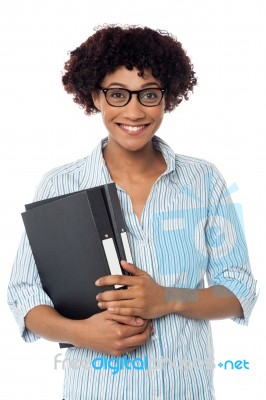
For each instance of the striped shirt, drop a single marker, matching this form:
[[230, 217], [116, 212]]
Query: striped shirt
[[189, 230]]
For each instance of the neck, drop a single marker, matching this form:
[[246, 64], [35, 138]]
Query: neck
[[130, 163]]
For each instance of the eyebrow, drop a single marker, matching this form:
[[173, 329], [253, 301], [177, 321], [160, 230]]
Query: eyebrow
[[121, 85]]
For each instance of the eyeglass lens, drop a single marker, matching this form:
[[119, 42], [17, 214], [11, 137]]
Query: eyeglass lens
[[147, 97]]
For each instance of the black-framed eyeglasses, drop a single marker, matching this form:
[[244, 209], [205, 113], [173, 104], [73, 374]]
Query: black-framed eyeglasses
[[119, 97]]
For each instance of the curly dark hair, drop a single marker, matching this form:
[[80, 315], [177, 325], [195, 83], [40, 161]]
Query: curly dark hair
[[113, 46]]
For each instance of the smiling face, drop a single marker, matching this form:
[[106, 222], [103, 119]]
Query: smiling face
[[133, 125]]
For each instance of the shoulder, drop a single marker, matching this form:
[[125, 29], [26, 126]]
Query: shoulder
[[193, 164], [197, 169], [70, 168], [60, 180], [71, 177], [184, 160]]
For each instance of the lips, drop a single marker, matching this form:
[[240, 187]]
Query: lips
[[133, 129]]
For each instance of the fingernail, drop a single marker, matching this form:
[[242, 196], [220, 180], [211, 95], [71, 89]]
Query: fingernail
[[139, 320]]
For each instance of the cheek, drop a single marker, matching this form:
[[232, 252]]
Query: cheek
[[158, 115], [107, 114]]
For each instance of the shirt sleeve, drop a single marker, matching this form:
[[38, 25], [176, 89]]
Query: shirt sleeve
[[228, 260], [25, 290]]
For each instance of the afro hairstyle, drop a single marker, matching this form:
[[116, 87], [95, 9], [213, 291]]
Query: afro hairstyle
[[113, 46]]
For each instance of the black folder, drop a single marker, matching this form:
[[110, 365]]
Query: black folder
[[75, 239], [117, 221]]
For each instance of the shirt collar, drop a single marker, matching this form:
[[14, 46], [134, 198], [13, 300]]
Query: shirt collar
[[167, 152]]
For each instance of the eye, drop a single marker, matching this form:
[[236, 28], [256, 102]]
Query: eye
[[151, 97], [117, 94], [150, 94]]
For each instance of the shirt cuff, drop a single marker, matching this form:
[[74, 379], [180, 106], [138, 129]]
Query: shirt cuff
[[20, 309], [245, 291]]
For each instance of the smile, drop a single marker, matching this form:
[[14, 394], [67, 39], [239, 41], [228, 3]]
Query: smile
[[131, 128]]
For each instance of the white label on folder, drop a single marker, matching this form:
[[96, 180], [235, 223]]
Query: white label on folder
[[126, 247], [112, 258]]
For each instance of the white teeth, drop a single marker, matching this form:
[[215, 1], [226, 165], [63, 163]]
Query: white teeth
[[132, 128]]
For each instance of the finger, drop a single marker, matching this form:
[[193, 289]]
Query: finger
[[132, 268], [115, 280], [126, 331], [115, 295], [127, 320], [138, 339], [134, 312], [103, 305]]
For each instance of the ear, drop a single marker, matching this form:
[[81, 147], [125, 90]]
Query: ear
[[96, 100]]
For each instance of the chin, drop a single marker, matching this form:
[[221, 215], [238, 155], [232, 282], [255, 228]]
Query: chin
[[134, 145]]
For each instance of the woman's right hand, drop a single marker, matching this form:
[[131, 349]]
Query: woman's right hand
[[110, 334]]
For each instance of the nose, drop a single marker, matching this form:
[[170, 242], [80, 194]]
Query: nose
[[134, 110]]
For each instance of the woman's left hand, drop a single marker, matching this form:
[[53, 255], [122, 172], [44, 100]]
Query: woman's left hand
[[143, 297]]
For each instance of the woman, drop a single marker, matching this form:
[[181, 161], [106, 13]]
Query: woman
[[181, 223]]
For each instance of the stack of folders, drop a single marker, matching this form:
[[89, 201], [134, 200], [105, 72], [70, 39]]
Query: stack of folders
[[75, 239]]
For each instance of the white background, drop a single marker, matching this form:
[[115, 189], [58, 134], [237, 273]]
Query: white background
[[223, 122]]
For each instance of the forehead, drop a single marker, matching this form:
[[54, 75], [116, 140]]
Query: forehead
[[129, 78]]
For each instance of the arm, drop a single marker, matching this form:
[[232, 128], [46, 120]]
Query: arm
[[102, 332], [146, 299], [36, 316], [215, 302]]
